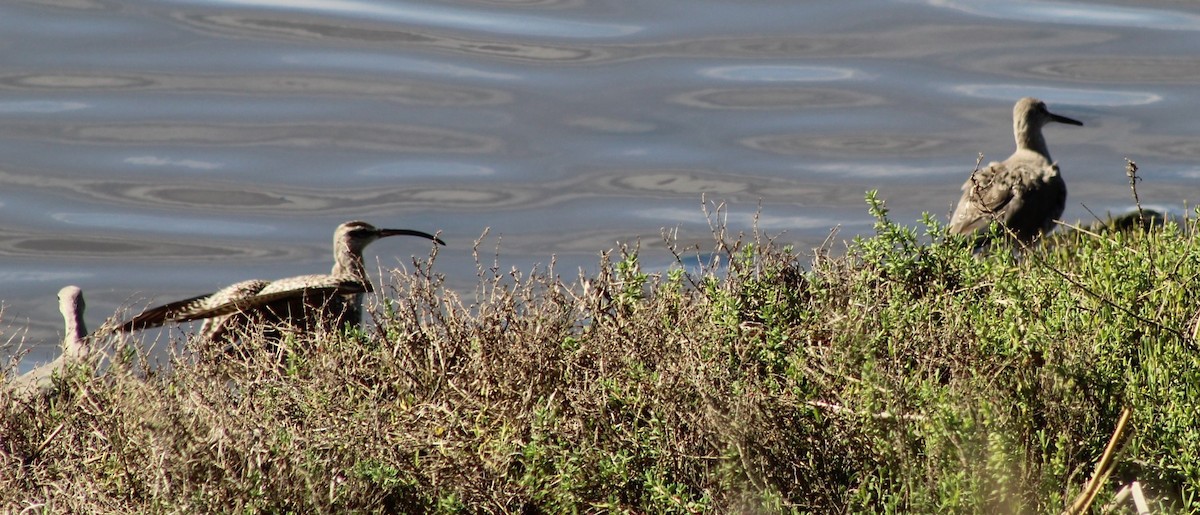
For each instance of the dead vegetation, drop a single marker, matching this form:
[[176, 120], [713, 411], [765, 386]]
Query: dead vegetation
[[907, 375]]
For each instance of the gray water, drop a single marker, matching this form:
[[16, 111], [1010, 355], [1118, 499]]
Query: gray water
[[151, 151]]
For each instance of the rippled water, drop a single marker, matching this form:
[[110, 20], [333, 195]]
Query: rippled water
[[156, 150]]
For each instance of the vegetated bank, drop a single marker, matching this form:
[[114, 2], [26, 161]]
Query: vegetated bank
[[907, 374]]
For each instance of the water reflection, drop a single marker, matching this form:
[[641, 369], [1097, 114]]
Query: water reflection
[[53, 81], [1052, 95], [356, 136], [919, 40], [776, 98], [679, 182], [1188, 173], [1171, 146], [163, 224], [36, 245], [883, 170], [1093, 14], [159, 161], [552, 4], [610, 125], [689, 184], [742, 219], [316, 29], [213, 196], [248, 198], [164, 196], [402, 91], [70, 4], [901, 145], [371, 61], [41, 106], [441, 15], [496, 197], [780, 73], [442, 169], [457, 197], [1148, 70], [35, 276]]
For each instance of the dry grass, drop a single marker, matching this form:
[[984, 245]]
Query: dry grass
[[907, 375]]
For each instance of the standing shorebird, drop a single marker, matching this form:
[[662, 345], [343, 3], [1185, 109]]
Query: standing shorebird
[[1025, 193], [304, 302], [40, 380]]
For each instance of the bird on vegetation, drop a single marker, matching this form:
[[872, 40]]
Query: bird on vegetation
[[75, 348], [1025, 193], [303, 302]]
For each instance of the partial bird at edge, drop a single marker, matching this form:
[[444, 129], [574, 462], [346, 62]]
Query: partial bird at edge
[[75, 347]]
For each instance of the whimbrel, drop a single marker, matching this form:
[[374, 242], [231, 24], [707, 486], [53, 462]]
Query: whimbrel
[[1025, 193], [74, 347], [304, 302]]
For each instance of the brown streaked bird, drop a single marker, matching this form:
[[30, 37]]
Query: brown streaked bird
[[1026, 192], [75, 348], [303, 302]]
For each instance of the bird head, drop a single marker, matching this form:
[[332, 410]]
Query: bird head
[[1032, 112], [354, 236], [70, 299]]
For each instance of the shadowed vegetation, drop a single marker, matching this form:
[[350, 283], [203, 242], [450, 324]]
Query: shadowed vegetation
[[905, 375]]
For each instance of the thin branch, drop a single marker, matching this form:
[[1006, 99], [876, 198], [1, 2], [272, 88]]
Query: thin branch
[[1104, 467]]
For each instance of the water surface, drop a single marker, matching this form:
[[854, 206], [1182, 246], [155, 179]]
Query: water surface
[[151, 151]]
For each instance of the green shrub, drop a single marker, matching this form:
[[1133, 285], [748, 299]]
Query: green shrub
[[911, 374]]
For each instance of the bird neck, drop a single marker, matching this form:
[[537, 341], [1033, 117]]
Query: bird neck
[[73, 343], [1030, 138], [347, 262]]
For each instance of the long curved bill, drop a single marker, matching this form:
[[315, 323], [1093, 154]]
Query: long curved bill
[[1063, 119], [383, 233]]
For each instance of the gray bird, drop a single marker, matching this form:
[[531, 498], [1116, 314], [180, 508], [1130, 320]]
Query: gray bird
[[304, 302], [40, 381], [1026, 192]]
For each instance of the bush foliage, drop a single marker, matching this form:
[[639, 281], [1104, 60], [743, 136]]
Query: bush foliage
[[911, 373]]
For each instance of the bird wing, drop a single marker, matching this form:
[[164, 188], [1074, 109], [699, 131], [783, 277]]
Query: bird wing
[[279, 301], [987, 193], [193, 308], [1025, 196], [1043, 196], [342, 283], [285, 291]]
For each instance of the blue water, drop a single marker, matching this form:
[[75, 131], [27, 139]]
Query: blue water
[[151, 151]]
